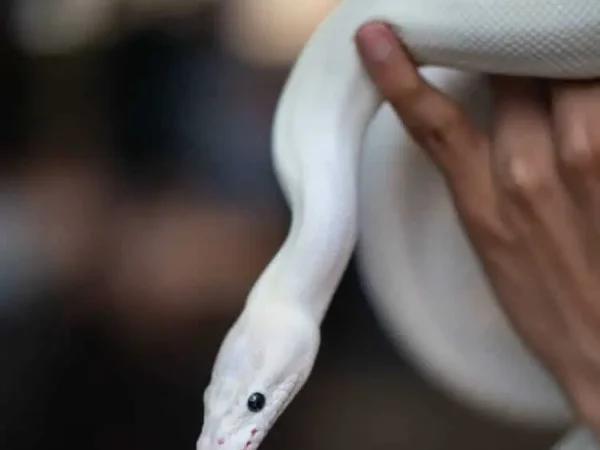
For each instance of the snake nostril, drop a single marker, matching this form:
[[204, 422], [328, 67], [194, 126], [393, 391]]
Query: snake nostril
[[221, 441]]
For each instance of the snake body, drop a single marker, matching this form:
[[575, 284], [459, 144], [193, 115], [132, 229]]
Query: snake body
[[320, 123]]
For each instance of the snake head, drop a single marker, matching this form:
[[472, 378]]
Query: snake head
[[263, 362]]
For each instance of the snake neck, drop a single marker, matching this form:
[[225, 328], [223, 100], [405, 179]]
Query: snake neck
[[317, 135], [319, 124]]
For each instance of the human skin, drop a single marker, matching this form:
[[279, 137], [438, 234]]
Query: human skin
[[528, 196]]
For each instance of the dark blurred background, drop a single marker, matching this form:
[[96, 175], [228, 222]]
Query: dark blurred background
[[138, 206]]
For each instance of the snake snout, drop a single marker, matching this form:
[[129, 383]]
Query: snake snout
[[245, 440]]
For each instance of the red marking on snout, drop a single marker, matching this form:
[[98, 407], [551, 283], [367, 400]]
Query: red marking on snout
[[248, 444], [254, 431], [221, 441]]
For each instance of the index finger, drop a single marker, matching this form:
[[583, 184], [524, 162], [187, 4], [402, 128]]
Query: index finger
[[434, 120]]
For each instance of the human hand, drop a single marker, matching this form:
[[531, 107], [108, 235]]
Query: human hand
[[528, 195]]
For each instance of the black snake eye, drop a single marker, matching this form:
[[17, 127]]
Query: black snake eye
[[256, 402]]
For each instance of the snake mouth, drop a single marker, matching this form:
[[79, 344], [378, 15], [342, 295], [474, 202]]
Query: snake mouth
[[251, 442], [254, 440]]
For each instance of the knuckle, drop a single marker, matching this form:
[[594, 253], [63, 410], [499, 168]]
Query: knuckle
[[578, 157], [442, 132], [521, 179], [405, 93], [448, 122]]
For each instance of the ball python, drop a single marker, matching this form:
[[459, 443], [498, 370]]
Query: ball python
[[320, 127]]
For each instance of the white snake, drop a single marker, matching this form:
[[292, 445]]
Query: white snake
[[319, 127]]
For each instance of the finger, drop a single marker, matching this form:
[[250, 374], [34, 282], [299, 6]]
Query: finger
[[536, 200], [533, 194], [576, 119], [435, 121], [439, 126], [576, 109], [523, 149]]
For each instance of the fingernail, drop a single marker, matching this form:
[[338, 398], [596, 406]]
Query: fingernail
[[376, 42]]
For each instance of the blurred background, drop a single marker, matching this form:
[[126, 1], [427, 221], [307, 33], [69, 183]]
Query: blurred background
[[137, 207]]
